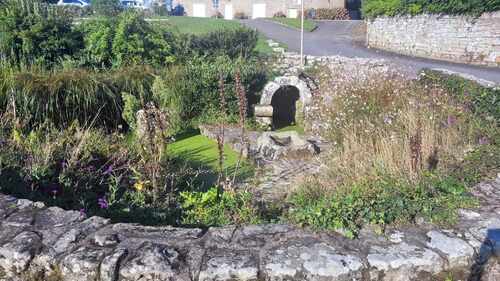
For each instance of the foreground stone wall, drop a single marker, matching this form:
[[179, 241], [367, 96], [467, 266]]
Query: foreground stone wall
[[48, 243], [461, 39]]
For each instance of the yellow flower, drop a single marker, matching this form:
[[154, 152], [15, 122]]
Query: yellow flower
[[139, 186]]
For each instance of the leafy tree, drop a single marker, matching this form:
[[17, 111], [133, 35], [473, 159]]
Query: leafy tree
[[33, 32], [106, 7]]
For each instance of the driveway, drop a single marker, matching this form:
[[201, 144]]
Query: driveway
[[347, 38]]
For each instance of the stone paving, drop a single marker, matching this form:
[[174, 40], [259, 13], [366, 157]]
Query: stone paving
[[49, 243]]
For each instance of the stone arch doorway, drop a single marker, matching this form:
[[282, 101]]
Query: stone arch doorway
[[284, 103], [292, 97]]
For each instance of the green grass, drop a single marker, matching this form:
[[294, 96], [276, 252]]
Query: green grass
[[203, 152], [200, 26], [295, 23], [297, 128]]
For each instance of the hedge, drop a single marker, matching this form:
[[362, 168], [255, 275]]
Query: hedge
[[375, 8]]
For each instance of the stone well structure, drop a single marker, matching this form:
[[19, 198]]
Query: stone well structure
[[264, 111]]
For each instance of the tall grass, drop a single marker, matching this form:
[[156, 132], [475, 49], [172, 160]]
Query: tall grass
[[396, 127], [69, 95]]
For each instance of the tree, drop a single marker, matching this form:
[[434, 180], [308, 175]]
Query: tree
[[33, 32], [106, 7]]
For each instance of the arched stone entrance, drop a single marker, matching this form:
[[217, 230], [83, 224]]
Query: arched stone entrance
[[282, 101]]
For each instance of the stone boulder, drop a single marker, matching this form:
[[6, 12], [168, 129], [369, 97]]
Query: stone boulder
[[276, 145]]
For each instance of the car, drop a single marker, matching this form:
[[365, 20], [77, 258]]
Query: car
[[138, 4], [79, 3]]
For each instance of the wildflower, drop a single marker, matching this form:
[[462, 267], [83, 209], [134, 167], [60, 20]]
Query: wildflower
[[484, 141], [139, 186], [452, 120], [83, 213], [103, 203], [108, 170]]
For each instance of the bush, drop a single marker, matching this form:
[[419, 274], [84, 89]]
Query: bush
[[32, 32], [191, 91], [381, 202], [234, 43], [279, 15], [129, 39], [207, 209], [374, 8]]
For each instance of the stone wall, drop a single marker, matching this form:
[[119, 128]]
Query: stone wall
[[48, 243], [461, 39]]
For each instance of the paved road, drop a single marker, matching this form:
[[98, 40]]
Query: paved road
[[346, 38]]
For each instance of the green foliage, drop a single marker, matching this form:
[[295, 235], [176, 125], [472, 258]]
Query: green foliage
[[136, 42], [191, 92], [234, 43], [481, 100], [206, 209], [374, 8], [32, 32], [66, 96], [131, 104], [125, 40], [384, 201], [107, 8]]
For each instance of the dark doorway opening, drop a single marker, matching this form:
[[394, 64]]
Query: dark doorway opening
[[354, 8], [284, 103]]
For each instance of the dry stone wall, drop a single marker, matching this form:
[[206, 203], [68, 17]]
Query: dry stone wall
[[462, 39], [48, 243]]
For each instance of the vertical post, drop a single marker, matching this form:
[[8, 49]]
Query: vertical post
[[302, 34]]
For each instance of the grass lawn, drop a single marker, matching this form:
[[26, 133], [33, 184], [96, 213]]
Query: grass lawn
[[199, 26], [295, 23], [202, 152]]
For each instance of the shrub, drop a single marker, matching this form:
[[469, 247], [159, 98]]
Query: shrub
[[279, 15], [234, 43], [383, 201], [208, 209], [374, 8], [32, 32], [190, 91], [126, 40]]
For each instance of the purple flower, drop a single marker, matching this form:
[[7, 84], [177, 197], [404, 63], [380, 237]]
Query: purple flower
[[108, 170], [103, 203], [484, 141], [83, 213], [452, 120]]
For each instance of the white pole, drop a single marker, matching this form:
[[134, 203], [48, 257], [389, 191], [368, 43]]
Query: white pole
[[302, 34]]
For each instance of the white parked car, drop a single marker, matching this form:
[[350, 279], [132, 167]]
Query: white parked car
[[79, 3], [138, 4]]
